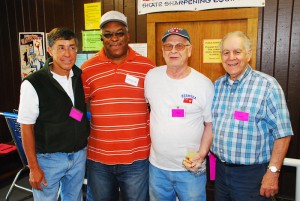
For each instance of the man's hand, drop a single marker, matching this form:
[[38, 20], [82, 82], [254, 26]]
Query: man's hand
[[192, 164], [269, 184], [36, 178]]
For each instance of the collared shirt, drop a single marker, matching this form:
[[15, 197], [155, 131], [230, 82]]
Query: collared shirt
[[248, 116], [120, 116], [28, 110]]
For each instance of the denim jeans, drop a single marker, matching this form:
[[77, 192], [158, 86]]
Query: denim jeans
[[166, 185], [64, 170], [104, 181], [239, 183]]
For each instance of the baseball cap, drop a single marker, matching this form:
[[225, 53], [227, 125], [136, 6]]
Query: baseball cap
[[113, 16], [176, 31]]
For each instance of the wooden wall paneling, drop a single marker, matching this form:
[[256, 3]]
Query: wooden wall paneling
[[32, 17], [40, 13], [259, 39], [26, 14], [285, 72], [68, 14], [282, 43], [288, 76], [130, 12], [120, 5], [49, 15], [252, 33], [293, 96], [109, 5], [268, 37], [12, 74], [79, 25], [60, 16], [4, 137], [141, 27], [151, 35], [19, 17], [32, 14]]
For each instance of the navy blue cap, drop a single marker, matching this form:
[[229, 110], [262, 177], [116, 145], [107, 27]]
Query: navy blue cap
[[176, 31]]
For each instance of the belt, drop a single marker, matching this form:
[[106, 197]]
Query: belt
[[230, 164]]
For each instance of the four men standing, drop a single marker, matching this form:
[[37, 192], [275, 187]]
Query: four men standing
[[247, 120]]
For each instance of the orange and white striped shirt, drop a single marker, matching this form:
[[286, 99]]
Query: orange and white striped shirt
[[120, 116]]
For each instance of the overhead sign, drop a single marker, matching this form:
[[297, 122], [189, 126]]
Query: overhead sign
[[152, 6]]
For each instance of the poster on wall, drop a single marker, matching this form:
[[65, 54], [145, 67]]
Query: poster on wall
[[152, 6], [32, 52]]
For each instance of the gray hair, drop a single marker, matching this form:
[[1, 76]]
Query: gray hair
[[61, 33], [248, 43]]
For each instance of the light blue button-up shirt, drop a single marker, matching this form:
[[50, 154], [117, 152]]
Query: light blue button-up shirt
[[248, 115]]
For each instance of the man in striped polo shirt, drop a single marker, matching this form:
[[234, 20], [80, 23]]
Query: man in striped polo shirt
[[119, 142]]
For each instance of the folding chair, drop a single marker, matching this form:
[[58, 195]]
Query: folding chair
[[14, 128]]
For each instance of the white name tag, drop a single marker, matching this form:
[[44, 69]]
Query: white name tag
[[132, 80]]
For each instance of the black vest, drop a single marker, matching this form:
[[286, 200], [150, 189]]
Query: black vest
[[55, 130]]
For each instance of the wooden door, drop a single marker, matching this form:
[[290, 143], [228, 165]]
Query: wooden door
[[202, 25]]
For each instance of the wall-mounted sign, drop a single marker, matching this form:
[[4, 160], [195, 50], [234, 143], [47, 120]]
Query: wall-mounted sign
[[91, 40], [211, 51], [92, 14], [152, 6]]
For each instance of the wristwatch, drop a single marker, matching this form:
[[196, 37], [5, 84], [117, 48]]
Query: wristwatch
[[273, 169]]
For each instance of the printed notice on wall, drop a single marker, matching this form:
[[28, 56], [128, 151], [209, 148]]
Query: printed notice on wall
[[140, 48], [211, 51], [91, 40], [92, 14]]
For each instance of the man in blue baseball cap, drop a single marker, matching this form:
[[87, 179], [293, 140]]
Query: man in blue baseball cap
[[180, 99]]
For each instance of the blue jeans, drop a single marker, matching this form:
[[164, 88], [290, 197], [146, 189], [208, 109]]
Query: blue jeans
[[64, 170], [104, 181], [239, 183], [166, 185]]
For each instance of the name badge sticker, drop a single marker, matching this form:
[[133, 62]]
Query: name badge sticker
[[177, 112], [76, 114], [241, 116], [132, 80]]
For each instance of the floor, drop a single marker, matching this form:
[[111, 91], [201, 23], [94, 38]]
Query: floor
[[18, 194]]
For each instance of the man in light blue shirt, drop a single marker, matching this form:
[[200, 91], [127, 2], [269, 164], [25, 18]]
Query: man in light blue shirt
[[251, 126]]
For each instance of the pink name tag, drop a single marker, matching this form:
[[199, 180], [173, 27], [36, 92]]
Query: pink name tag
[[76, 114], [177, 112], [241, 116], [212, 166]]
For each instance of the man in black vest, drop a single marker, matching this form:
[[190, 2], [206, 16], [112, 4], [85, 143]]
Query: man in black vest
[[54, 126]]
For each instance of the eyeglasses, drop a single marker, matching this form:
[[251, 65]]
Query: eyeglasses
[[235, 52], [63, 49], [178, 47], [117, 34]]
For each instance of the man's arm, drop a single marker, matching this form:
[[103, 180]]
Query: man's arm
[[269, 184], [206, 141], [203, 150], [36, 176]]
